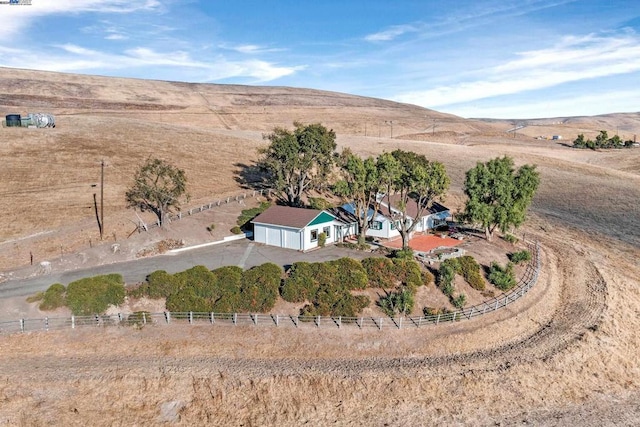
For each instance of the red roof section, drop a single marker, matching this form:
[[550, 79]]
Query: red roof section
[[287, 216]]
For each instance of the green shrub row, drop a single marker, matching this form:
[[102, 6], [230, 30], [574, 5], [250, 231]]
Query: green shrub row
[[224, 290], [602, 141], [54, 297], [91, 295], [326, 287], [388, 273]]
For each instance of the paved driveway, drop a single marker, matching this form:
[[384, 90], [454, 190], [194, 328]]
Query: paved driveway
[[242, 253]]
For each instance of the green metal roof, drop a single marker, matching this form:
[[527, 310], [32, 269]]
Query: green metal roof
[[321, 219]]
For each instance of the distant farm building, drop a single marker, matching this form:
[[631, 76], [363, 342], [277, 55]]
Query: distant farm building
[[31, 120], [556, 137]]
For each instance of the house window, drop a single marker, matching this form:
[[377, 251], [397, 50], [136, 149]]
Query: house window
[[376, 225], [326, 231], [314, 235], [392, 224]]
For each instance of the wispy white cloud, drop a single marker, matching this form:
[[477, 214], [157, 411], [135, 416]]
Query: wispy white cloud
[[392, 33], [572, 59], [74, 58], [15, 19], [249, 48], [463, 19]]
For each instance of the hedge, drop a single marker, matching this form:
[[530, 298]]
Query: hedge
[[93, 295], [350, 273], [380, 272], [53, 297], [408, 273], [300, 285], [259, 288]]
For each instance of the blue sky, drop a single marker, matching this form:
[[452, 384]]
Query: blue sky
[[473, 58]]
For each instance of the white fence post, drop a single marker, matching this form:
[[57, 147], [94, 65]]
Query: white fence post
[[73, 321], [190, 317], [144, 318], [212, 318], [21, 325], [235, 319], [167, 315]]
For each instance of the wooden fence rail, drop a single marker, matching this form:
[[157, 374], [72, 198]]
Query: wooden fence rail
[[526, 282], [239, 198]]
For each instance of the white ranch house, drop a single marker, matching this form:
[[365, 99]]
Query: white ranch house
[[298, 228], [382, 226]]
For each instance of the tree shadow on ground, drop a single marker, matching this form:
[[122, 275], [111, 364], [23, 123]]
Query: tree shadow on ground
[[250, 177]]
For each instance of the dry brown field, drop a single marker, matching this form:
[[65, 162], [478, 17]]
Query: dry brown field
[[565, 354]]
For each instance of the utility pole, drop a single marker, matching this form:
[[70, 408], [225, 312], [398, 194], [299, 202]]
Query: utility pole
[[101, 199], [390, 123]]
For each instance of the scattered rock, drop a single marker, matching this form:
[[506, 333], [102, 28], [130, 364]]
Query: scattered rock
[[170, 411]]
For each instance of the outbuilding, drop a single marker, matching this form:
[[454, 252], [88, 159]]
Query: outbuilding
[[297, 228]]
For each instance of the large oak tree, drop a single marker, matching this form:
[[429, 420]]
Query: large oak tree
[[298, 161], [158, 187], [410, 178], [499, 196], [360, 184]]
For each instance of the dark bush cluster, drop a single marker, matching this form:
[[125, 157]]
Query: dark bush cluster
[[470, 270], [408, 273], [379, 272], [446, 274], [398, 302], [510, 238], [602, 141], [521, 256], [224, 290], [502, 278], [326, 287], [93, 295], [385, 273], [54, 297]]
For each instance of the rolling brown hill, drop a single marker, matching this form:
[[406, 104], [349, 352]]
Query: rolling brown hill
[[564, 354]]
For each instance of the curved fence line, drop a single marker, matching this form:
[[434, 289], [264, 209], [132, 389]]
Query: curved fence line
[[526, 282]]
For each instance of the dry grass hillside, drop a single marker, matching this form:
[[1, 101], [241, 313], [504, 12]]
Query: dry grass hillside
[[565, 354]]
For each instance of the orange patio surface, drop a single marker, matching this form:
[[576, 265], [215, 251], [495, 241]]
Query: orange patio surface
[[424, 242]]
